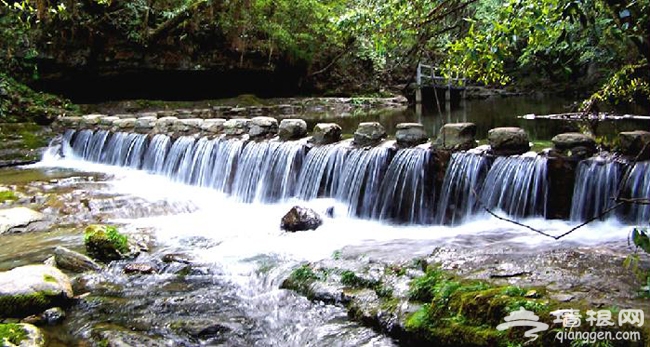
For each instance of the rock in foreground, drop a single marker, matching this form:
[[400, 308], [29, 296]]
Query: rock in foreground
[[105, 243], [17, 217], [300, 219], [73, 261], [31, 289]]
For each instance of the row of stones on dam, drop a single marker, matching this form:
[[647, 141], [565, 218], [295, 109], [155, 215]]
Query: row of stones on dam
[[452, 136]]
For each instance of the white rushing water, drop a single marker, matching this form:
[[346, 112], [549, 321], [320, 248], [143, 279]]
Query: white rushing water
[[244, 236], [248, 229]]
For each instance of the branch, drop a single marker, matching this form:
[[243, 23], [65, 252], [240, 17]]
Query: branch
[[328, 66], [173, 22], [620, 201]]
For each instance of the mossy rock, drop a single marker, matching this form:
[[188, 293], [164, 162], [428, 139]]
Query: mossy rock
[[105, 243], [23, 335], [31, 289]]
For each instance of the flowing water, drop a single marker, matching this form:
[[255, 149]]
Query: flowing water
[[230, 296], [225, 199]]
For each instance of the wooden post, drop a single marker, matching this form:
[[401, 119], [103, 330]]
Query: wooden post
[[418, 88]]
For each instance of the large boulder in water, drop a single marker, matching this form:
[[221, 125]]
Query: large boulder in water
[[326, 133], [457, 136], [635, 143], [292, 129], [31, 289], [410, 134], [508, 141], [369, 134], [300, 219]]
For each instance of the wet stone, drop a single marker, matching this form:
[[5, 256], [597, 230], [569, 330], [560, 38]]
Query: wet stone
[[91, 119], [410, 134], [326, 133], [292, 129], [176, 258], [235, 127], [214, 125], [508, 141], [164, 124], [263, 127], [369, 134], [575, 143], [139, 268], [145, 122], [301, 219], [186, 125], [125, 123], [73, 261], [457, 136]]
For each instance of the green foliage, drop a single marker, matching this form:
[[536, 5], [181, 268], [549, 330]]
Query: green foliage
[[12, 334], [641, 239], [19, 103], [630, 85]]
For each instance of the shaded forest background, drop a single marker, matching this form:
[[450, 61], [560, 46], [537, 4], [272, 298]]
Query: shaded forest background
[[96, 50]]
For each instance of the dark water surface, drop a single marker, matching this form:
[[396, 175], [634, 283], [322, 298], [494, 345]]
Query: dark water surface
[[486, 114]]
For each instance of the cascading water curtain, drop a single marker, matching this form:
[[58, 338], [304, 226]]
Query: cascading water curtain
[[596, 186], [361, 178], [459, 194], [407, 191], [638, 187], [517, 185]]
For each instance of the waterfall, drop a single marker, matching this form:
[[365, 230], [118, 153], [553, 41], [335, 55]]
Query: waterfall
[[179, 150], [638, 187], [460, 188], [154, 157], [361, 179], [378, 183], [518, 185], [268, 171], [407, 191], [321, 171], [350, 175], [597, 182]]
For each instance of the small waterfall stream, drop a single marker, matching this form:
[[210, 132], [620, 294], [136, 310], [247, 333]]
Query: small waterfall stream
[[517, 185], [638, 187], [596, 185], [463, 181]]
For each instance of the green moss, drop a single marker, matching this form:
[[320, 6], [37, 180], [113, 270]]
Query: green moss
[[12, 334], [49, 278], [105, 242], [8, 195], [23, 305], [304, 274], [30, 140]]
